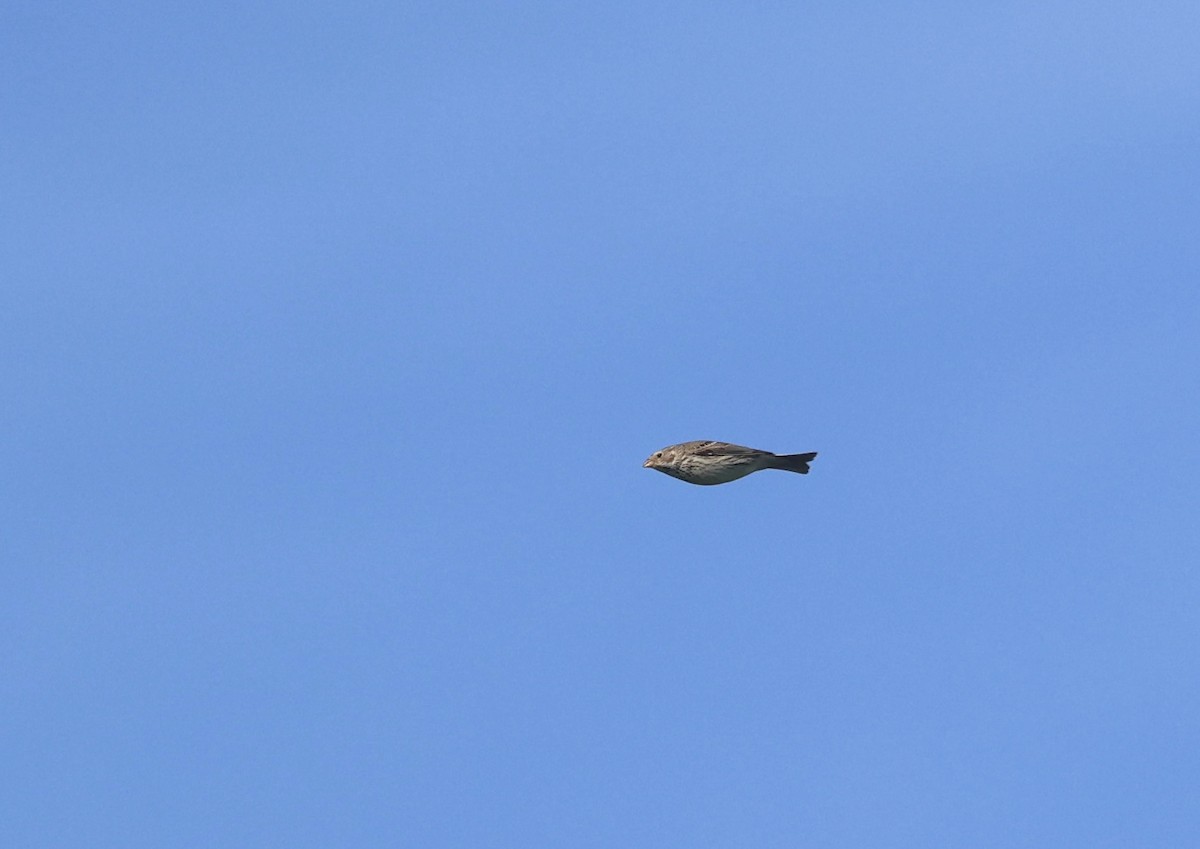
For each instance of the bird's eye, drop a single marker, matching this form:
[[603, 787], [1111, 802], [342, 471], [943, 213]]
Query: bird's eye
[[657, 455]]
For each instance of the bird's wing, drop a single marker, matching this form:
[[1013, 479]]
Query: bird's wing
[[724, 449]]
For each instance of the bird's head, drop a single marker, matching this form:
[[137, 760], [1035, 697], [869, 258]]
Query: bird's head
[[664, 459]]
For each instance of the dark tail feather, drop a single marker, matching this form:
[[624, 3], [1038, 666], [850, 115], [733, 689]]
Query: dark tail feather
[[793, 462]]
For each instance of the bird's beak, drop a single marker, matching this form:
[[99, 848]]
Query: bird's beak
[[646, 465]]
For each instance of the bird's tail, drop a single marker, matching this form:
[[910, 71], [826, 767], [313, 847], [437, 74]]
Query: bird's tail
[[793, 462]]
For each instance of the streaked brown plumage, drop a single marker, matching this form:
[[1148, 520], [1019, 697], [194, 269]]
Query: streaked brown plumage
[[707, 463]]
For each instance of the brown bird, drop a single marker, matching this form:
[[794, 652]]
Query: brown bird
[[707, 463]]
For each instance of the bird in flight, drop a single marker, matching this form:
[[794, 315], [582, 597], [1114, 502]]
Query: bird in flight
[[706, 463]]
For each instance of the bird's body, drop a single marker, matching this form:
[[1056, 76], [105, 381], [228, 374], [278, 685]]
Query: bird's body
[[708, 463]]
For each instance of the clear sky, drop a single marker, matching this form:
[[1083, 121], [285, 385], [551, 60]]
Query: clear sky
[[334, 337]]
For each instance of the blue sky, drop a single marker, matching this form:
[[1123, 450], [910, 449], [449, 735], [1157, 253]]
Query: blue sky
[[334, 337]]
